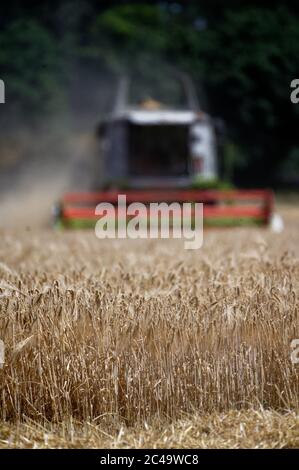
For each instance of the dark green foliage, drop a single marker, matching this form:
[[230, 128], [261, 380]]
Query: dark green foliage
[[31, 66], [244, 55]]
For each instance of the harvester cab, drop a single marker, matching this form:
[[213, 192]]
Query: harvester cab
[[152, 151], [149, 144]]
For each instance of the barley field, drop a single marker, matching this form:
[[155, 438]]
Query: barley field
[[140, 343]]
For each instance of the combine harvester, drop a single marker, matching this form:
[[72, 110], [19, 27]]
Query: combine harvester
[[153, 153]]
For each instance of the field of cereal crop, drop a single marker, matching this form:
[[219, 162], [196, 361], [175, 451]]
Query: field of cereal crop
[[141, 343]]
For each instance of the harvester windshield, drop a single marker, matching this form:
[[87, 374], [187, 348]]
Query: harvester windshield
[[158, 150]]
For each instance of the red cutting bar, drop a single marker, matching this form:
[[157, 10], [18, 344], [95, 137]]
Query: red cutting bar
[[168, 196], [208, 211]]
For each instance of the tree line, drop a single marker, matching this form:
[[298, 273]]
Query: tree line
[[63, 56]]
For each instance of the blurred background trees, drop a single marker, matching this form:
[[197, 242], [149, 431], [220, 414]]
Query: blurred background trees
[[64, 57]]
